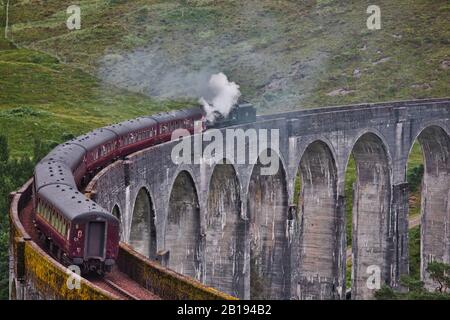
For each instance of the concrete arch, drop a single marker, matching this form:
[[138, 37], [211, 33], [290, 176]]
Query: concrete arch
[[303, 144], [435, 207], [320, 224], [269, 244], [231, 163], [143, 228], [376, 133], [371, 214], [225, 232], [183, 237], [308, 142]]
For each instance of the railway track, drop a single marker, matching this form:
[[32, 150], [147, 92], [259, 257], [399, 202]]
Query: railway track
[[122, 286], [122, 291], [114, 288]]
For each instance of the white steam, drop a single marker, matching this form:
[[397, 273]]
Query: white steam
[[224, 95]]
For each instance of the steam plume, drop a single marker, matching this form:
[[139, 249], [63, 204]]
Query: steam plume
[[224, 94]]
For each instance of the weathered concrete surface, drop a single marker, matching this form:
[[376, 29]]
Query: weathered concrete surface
[[380, 136], [225, 233], [435, 199], [183, 238], [371, 208], [269, 255], [318, 225]]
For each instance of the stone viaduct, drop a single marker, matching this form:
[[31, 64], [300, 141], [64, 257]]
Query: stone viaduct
[[254, 236]]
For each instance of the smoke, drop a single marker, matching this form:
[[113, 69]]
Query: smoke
[[224, 95]]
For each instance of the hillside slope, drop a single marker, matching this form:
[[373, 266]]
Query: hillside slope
[[284, 54], [41, 98]]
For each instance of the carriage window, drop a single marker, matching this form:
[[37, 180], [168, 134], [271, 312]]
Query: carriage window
[[63, 224], [52, 218], [60, 228], [56, 220], [57, 223]]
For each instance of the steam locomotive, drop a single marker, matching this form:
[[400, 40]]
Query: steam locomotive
[[75, 229]]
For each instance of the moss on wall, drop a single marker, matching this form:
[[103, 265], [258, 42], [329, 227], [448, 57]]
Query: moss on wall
[[165, 283]]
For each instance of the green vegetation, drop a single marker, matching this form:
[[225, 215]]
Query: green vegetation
[[350, 180], [13, 173], [41, 97], [439, 273], [414, 253], [284, 54]]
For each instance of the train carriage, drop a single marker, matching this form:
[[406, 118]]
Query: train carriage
[[71, 155], [77, 230], [133, 135], [100, 146]]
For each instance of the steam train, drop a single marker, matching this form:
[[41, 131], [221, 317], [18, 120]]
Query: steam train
[[75, 229]]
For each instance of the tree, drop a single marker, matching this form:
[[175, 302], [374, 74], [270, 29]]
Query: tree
[[439, 272]]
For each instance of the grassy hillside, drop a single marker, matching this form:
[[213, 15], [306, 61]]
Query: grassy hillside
[[285, 54], [43, 98]]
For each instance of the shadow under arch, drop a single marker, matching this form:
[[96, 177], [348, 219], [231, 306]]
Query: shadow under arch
[[225, 232], [116, 213], [371, 225], [182, 234], [320, 223], [143, 229], [435, 194], [269, 245]]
